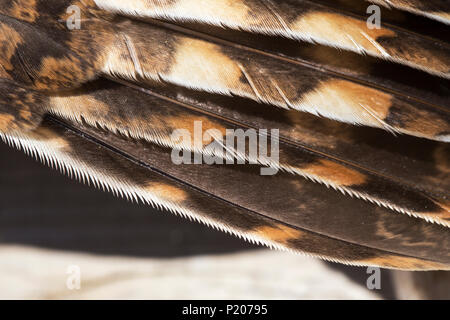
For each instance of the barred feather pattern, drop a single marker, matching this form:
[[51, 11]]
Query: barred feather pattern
[[363, 171]]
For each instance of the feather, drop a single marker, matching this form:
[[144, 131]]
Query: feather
[[433, 9], [302, 20], [151, 179], [102, 104]]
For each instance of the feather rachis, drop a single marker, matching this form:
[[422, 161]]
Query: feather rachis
[[357, 104]]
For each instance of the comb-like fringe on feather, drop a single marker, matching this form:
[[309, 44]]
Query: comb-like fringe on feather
[[123, 189], [77, 169], [229, 70], [146, 112]]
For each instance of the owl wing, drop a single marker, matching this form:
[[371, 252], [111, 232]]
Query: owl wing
[[299, 125]]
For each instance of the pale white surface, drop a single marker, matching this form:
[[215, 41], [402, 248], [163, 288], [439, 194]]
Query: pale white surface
[[30, 273]]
